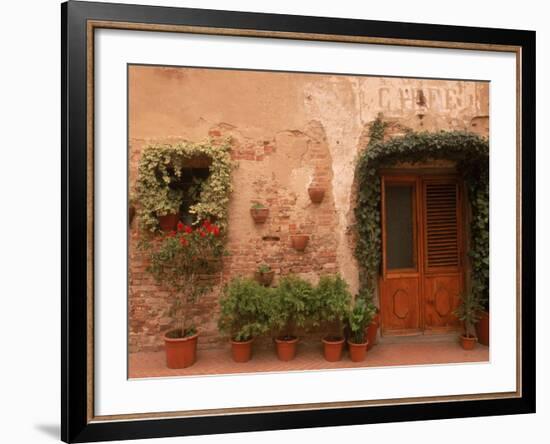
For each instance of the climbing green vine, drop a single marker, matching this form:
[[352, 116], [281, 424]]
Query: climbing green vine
[[471, 154], [161, 167]]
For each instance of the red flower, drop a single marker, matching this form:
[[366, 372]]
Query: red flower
[[188, 229], [183, 241], [180, 226], [206, 223], [215, 230], [171, 234], [202, 233]]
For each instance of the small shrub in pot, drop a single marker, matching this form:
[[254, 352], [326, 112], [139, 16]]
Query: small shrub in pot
[[332, 301], [469, 312], [359, 318], [243, 315], [290, 308]]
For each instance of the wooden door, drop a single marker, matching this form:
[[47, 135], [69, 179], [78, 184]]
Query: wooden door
[[421, 276]]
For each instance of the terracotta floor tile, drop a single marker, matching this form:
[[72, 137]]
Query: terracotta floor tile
[[309, 357]]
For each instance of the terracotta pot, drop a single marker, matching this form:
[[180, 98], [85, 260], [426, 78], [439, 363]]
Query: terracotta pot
[[131, 214], [264, 278], [316, 194], [468, 342], [168, 222], [259, 214], [299, 241], [180, 352], [241, 350], [482, 329], [372, 332], [286, 348], [333, 349], [357, 352]]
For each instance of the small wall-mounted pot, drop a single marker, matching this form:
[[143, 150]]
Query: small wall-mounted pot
[[316, 194], [168, 222], [264, 278], [259, 214], [299, 241]]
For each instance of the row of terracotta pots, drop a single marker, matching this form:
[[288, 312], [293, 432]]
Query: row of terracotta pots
[[182, 352], [332, 348]]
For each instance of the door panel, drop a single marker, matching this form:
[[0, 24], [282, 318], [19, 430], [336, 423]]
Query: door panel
[[399, 307], [422, 276], [441, 298]]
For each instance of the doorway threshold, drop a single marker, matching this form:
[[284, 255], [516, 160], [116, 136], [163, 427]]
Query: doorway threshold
[[419, 337]]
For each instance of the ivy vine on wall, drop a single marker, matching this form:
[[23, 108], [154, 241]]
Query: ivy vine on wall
[[471, 154], [160, 169]]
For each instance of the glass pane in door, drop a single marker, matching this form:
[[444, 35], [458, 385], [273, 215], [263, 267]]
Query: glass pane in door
[[399, 226]]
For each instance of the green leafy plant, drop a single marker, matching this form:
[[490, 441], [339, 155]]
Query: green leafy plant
[[258, 206], [291, 306], [471, 154], [244, 309], [359, 318], [331, 304], [160, 172], [469, 312], [180, 262], [264, 268]]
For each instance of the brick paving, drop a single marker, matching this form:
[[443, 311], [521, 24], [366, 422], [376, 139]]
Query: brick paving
[[309, 357]]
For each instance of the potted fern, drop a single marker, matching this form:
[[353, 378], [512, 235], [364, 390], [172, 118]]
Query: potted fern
[[332, 301], [359, 318], [289, 309], [243, 315], [468, 312], [181, 261]]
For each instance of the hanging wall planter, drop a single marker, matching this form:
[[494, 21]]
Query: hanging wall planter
[[264, 275], [259, 213], [299, 241], [316, 194], [168, 222]]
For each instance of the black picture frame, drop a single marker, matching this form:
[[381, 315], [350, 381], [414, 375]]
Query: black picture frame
[[76, 424]]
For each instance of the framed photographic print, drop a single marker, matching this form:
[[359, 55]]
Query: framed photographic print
[[275, 221]]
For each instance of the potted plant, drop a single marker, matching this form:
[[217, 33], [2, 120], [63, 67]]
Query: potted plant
[[243, 315], [264, 275], [358, 319], [169, 221], [259, 213], [468, 312], [332, 301], [289, 309], [299, 241], [316, 193], [372, 329], [366, 293], [179, 262], [482, 326]]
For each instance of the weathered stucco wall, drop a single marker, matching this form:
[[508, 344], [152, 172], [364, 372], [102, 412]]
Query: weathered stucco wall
[[288, 131]]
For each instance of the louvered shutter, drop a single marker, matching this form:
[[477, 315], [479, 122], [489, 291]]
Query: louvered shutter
[[442, 237]]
